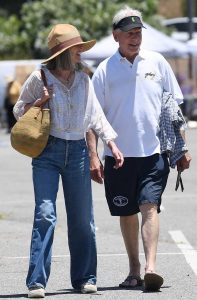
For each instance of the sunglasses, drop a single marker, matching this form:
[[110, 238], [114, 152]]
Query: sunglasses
[[179, 182]]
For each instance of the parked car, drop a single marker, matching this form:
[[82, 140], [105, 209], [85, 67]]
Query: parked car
[[180, 27]]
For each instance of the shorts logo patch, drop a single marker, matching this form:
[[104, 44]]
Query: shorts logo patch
[[120, 201]]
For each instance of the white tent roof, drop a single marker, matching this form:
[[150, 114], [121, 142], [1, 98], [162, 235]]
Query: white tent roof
[[152, 39], [192, 46]]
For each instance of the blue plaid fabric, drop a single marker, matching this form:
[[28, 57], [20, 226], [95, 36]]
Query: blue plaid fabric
[[170, 123]]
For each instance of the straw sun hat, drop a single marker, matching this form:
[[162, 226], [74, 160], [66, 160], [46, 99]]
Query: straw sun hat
[[64, 36]]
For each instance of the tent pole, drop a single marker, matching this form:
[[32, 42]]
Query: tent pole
[[190, 4]]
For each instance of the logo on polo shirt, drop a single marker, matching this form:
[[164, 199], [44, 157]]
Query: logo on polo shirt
[[120, 201], [150, 75]]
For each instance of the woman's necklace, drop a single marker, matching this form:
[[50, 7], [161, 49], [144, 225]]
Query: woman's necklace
[[66, 80], [69, 79]]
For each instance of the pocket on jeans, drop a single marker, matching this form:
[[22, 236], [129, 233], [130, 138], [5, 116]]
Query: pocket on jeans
[[51, 142]]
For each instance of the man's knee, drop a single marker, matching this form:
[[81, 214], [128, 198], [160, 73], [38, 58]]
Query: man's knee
[[148, 209]]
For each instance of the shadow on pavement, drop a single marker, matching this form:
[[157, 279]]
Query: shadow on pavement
[[10, 296], [116, 288], [71, 291], [14, 296]]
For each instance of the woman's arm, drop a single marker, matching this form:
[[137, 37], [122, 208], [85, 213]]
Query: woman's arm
[[96, 167], [32, 93], [39, 102]]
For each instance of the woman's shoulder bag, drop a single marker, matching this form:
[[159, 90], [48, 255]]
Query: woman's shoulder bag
[[30, 134]]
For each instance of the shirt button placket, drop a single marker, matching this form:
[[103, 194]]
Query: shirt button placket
[[69, 107]]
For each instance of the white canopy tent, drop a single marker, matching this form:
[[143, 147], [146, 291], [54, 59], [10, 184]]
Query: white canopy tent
[[192, 46], [152, 39]]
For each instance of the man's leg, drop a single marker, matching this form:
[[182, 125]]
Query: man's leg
[[120, 194], [150, 234], [130, 231]]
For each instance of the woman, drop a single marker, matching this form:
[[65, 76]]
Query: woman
[[74, 108]]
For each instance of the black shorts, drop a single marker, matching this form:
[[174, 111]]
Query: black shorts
[[140, 180]]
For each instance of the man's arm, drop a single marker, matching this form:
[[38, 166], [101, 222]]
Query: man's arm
[[184, 162]]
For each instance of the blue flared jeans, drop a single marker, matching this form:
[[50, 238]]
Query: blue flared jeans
[[68, 159]]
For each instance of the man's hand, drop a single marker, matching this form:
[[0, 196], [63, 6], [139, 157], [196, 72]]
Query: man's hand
[[184, 162], [96, 168], [116, 154]]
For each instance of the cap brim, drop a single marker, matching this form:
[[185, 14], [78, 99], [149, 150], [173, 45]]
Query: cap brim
[[131, 26], [86, 46]]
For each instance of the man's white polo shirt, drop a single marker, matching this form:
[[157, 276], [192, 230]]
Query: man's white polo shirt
[[130, 95]]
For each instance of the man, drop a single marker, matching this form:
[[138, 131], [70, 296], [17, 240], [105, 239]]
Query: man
[[129, 86]]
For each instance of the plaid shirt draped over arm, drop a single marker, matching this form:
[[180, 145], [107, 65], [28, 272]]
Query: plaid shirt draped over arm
[[170, 123]]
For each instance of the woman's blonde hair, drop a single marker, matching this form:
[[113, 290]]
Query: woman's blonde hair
[[64, 62]]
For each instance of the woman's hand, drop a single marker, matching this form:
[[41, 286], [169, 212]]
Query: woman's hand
[[96, 168], [47, 93], [116, 154]]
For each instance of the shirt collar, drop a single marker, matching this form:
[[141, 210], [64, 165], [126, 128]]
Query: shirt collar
[[121, 58]]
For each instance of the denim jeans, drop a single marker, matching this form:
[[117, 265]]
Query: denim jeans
[[68, 159]]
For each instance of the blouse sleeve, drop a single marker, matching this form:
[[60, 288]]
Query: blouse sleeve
[[95, 117], [31, 91]]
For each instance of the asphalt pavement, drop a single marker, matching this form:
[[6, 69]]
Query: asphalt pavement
[[177, 249]]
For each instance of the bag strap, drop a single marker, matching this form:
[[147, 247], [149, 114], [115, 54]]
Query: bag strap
[[43, 76]]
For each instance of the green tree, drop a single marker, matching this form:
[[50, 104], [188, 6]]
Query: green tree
[[12, 43], [92, 17], [11, 7]]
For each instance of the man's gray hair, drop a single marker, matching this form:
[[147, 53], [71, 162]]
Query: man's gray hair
[[126, 11]]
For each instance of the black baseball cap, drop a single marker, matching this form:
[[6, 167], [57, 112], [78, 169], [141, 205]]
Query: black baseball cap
[[128, 23]]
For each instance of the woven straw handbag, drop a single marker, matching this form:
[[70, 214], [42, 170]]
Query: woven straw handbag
[[30, 134]]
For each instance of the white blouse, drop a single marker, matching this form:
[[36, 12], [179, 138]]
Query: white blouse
[[73, 110]]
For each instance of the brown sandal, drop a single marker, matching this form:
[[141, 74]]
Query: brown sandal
[[152, 282], [127, 282]]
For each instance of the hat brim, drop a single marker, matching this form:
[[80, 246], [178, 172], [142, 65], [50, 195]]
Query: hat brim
[[131, 26], [85, 47]]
